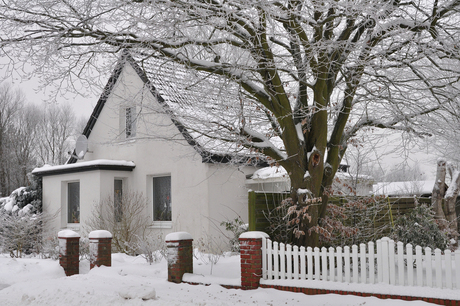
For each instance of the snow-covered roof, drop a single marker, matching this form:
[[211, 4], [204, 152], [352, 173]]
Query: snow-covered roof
[[179, 90], [271, 173], [277, 173], [408, 188], [97, 164]]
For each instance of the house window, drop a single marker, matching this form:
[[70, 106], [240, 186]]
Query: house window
[[73, 202], [162, 198], [130, 122], [117, 199]]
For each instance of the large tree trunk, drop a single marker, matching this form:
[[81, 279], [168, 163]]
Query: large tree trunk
[[439, 190], [450, 200]]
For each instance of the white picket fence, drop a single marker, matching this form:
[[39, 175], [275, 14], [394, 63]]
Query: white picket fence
[[364, 264]]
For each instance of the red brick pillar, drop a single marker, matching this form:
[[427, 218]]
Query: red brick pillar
[[251, 259], [180, 255], [69, 251], [100, 248]]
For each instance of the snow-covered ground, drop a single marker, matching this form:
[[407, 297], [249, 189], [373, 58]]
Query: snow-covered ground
[[34, 281]]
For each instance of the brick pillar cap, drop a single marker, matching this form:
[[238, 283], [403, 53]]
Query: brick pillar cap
[[178, 236], [99, 234], [254, 235], [68, 234]]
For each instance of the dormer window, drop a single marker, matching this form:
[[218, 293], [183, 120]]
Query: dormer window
[[130, 122]]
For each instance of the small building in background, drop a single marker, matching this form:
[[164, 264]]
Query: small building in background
[[276, 179]]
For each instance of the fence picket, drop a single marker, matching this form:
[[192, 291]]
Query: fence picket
[[428, 269], [391, 261], [331, 264], [346, 258], [362, 255], [276, 267], [303, 269], [457, 268], [371, 263], [309, 263], [282, 261], [288, 261], [324, 263], [400, 247], [410, 265], [385, 264], [339, 264], [438, 267], [269, 251], [317, 271], [379, 262], [419, 266], [448, 266], [264, 259], [354, 254], [296, 262]]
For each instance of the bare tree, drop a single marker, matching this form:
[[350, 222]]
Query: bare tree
[[25, 134], [56, 127], [304, 77], [11, 101]]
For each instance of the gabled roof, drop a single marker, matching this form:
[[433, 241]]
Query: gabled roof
[[165, 93]]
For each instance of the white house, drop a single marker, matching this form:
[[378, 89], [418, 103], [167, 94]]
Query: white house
[[136, 144]]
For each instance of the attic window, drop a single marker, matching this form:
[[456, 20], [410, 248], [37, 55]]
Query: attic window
[[130, 122]]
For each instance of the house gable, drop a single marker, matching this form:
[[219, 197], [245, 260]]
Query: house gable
[[127, 59]]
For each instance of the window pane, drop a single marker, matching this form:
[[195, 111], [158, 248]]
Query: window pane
[[130, 123], [117, 198], [73, 202], [162, 198]]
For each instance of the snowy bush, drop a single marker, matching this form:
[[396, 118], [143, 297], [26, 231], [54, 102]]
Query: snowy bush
[[152, 248], [420, 228], [128, 223], [208, 249], [236, 227], [22, 224]]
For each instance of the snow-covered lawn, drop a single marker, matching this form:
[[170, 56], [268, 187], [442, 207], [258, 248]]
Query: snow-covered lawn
[[33, 281]]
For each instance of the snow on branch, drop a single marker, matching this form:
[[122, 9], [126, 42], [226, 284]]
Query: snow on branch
[[259, 141]]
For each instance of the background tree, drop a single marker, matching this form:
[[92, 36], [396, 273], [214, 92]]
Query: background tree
[[11, 101], [57, 125], [25, 135], [308, 76]]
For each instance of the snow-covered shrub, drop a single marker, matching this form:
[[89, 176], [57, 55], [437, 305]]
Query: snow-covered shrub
[[236, 227], [420, 228], [22, 224], [128, 223], [208, 249], [152, 248]]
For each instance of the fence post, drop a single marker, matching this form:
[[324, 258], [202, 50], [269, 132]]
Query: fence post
[[100, 248], [251, 259], [180, 255], [69, 251]]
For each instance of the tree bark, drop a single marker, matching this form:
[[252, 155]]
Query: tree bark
[[450, 200], [439, 190]]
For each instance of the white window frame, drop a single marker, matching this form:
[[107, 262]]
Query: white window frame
[[65, 201], [159, 224]]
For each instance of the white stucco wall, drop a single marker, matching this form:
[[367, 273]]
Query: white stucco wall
[[203, 195]]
